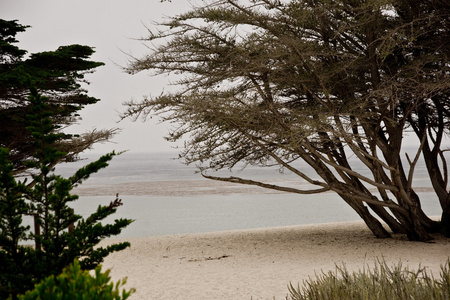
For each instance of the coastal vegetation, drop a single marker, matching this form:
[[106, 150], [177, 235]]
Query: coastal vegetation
[[340, 85], [30, 191], [377, 283], [75, 283]]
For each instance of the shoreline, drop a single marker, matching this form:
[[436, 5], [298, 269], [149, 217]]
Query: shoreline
[[258, 263]]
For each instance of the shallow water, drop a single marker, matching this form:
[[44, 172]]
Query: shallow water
[[166, 197]]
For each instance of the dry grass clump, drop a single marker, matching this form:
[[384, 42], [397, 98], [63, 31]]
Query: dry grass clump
[[381, 282]]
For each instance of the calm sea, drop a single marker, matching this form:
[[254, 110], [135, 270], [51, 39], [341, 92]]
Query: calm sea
[[165, 197]]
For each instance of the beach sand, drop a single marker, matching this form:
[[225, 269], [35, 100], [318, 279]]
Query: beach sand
[[260, 263]]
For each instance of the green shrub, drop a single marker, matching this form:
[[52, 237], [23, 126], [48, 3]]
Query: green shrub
[[381, 282], [74, 283]]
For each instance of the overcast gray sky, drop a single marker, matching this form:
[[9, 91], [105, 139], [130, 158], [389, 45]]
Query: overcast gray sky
[[111, 27]]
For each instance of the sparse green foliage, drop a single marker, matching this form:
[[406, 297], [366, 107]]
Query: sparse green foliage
[[74, 283], [48, 200]]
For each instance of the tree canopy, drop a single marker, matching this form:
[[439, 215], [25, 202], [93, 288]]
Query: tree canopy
[[267, 82], [58, 75]]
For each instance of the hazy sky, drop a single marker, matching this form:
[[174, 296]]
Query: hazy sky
[[111, 27]]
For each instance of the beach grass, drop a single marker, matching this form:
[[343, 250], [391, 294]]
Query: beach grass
[[378, 283]]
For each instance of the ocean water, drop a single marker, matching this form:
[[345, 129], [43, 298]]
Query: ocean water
[[165, 197]]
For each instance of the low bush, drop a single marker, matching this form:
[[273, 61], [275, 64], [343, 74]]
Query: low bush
[[74, 283], [381, 282]]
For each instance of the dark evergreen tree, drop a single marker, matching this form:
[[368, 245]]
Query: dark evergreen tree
[[57, 75], [16, 261], [57, 243]]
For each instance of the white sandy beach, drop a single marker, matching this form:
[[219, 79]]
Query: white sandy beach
[[260, 263]]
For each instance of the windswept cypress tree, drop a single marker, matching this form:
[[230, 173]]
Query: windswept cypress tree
[[336, 85]]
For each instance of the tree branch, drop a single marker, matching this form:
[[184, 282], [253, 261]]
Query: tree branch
[[233, 179]]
